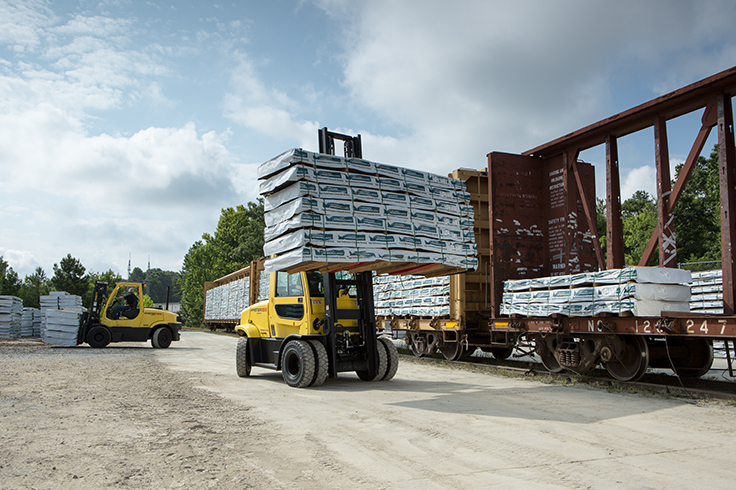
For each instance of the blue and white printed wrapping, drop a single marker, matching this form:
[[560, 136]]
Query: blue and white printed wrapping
[[411, 296], [639, 291], [707, 292], [227, 301], [325, 208]]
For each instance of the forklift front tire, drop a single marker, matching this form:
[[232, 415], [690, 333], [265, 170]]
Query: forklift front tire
[[161, 338], [98, 336], [243, 362], [298, 364]]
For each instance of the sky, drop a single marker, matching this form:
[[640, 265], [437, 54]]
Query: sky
[[126, 126]]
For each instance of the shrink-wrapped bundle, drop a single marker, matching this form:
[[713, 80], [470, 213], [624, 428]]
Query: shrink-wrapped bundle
[[638, 291], [323, 209], [11, 311]]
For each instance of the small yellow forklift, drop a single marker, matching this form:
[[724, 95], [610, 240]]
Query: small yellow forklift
[[121, 319]]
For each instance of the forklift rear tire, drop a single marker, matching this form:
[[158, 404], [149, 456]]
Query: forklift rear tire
[[161, 338], [322, 363], [381, 368], [98, 336], [243, 362], [392, 357], [297, 364]]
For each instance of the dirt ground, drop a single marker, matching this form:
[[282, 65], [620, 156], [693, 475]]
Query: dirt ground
[[136, 417]]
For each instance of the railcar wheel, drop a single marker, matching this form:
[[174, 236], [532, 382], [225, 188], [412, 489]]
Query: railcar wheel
[[551, 364], [699, 357], [502, 353], [392, 358], [454, 351], [632, 363], [381, 367], [322, 363], [297, 364], [98, 336], [243, 362], [418, 345]]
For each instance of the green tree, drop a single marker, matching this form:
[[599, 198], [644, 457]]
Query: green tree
[[639, 214], [9, 282], [198, 267], [697, 214], [137, 275], [34, 286], [237, 240], [69, 276], [159, 281], [110, 277]]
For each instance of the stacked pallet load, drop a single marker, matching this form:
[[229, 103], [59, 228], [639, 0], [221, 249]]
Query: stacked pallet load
[[407, 296], [61, 316], [228, 300], [326, 213], [707, 292], [37, 320], [11, 310], [26, 322], [638, 291]]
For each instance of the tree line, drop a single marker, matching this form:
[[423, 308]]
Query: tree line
[[71, 276]]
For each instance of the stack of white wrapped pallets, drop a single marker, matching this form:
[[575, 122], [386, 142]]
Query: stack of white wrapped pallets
[[11, 311], [26, 322], [61, 315], [409, 296], [62, 327], [707, 292], [228, 300], [638, 291], [324, 212], [37, 320]]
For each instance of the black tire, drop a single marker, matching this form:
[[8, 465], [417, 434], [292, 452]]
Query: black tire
[[98, 336], [322, 363], [243, 363], [297, 364], [381, 368], [392, 357], [161, 338]]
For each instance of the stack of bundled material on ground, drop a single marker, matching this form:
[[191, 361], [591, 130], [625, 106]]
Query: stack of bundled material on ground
[[707, 292], [11, 310], [62, 327], [324, 211], [26, 322], [37, 320], [638, 291], [61, 315], [228, 300], [409, 296]]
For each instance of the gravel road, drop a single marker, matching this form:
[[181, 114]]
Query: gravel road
[[136, 417]]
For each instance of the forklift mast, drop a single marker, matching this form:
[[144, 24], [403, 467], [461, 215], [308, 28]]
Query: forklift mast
[[362, 282], [95, 311], [352, 144]]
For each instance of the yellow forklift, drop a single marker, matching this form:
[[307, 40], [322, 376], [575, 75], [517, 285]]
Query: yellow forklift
[[314, 324], [121, 319]]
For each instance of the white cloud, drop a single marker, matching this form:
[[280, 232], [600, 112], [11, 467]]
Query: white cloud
[[265, 110], [642, 178]]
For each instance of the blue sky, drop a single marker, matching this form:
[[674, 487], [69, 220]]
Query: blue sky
[[125, 126]]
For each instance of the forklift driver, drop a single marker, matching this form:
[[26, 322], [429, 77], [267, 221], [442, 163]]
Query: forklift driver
[[131, 301]]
